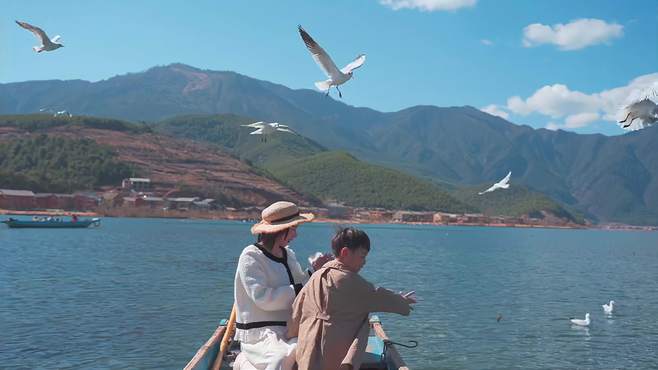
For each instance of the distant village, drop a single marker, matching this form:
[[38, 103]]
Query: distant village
[[137, 197]]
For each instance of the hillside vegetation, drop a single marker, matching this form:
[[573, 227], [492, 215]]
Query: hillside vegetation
[[226, 132], [35, 122], [52, 164], [515, 201], [337, 176]]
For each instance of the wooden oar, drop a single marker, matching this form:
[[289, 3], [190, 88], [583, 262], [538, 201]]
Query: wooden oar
[[223, 345]]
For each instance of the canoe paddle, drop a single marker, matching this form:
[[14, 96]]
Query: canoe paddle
[[228, 334]]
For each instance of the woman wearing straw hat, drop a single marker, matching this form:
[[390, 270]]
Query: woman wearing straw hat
[[266, 282]]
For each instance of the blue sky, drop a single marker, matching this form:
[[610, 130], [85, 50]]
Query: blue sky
[[555, 63]]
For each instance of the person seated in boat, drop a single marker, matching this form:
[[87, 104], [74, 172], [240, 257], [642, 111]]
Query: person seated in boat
[[74, 218], [267, 280], [330, 314]]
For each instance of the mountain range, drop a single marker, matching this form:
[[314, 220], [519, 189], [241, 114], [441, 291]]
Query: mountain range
[[609, 179]]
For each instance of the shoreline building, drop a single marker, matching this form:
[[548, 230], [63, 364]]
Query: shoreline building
[[137, 184]]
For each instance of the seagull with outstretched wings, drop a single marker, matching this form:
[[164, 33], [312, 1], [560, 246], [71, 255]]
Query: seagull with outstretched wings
[[502, 184], [266, 129], [336, 76], [46, 43]]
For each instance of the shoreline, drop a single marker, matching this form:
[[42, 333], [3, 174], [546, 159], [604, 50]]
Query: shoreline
[[250, 216]]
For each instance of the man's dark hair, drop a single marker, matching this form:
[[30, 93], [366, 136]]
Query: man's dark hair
[[351, 238]]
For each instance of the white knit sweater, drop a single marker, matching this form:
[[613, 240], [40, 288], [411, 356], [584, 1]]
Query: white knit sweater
[[263, 291]]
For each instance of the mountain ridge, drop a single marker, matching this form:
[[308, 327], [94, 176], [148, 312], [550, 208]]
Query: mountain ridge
[[608, 178]]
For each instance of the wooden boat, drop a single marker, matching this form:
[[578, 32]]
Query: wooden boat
[[380, 352], [51, 224]]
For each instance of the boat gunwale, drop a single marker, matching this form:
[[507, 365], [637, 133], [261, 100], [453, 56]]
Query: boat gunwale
[[29, 224], [210, 343], [391, 351], [392, 354]]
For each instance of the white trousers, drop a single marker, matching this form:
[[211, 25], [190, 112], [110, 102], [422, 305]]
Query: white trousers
[[270, 353]]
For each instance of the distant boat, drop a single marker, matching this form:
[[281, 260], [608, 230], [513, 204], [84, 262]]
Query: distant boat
[[380, 351], [51, 223]]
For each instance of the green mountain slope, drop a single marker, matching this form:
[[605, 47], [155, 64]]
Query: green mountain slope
[[35, 122], [226, 132], [515, 201], [334, 176], [52, 164]]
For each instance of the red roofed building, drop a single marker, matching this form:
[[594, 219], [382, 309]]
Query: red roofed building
[[17, 199]]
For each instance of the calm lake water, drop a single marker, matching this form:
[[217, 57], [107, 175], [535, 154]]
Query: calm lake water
[[145, 294]]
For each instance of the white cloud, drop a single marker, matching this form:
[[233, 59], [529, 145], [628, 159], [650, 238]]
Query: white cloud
[[574, 121], [552, 126], [575, 35], [581, 119], [555, 101], [428, 5], [495, 110], [579, 109], [486, 42]]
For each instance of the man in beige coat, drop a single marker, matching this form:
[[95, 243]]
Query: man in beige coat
[[330, 314]]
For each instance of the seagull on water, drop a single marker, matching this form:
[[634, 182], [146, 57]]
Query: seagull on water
[[645, 110], [336, 77], [46, 43], [265, 129], [581, 322], [502, 184], [607, 308]]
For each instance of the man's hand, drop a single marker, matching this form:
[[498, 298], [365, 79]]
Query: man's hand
[[410, 297]]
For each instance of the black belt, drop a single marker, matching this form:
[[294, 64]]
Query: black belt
[[259, 324]]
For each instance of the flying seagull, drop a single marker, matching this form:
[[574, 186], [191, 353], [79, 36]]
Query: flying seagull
[[265, 129], [645, 110], [607, 308], [581, 322], [336, 77], [502, 184], [46, 43]]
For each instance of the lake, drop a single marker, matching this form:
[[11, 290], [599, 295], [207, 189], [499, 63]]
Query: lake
[[146, 293]]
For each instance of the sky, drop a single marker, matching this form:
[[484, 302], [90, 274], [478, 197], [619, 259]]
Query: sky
[[553, 64]]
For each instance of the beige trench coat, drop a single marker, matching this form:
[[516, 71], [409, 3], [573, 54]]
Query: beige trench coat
[[330, 317]]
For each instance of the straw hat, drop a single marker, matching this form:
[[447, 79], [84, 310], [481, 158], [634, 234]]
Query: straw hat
[[280, 216]]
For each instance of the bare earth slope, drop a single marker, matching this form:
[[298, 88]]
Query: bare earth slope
[[176, 163]]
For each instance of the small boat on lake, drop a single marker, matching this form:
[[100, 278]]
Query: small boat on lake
[[51, 223], [380, 352]]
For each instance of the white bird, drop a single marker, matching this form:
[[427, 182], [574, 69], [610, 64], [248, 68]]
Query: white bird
[[46, 43], [607, 308], [62, 113], [645, 110], [581, 322], [265, 129], [502, 184], [336, 77]]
